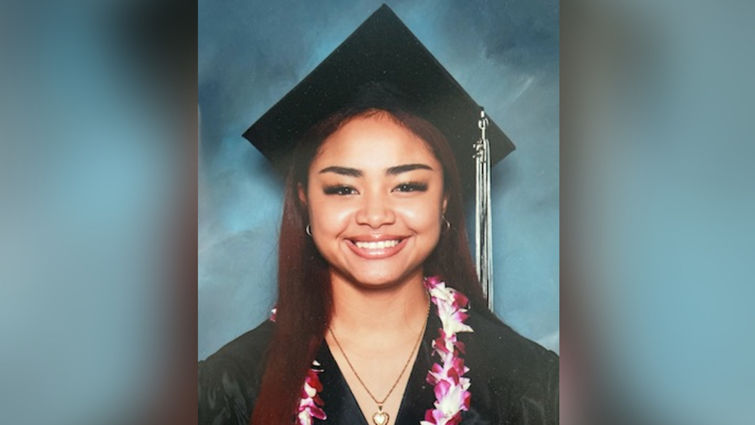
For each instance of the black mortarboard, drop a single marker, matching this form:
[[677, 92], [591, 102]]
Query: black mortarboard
[[382, 50]]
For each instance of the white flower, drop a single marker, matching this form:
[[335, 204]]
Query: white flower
[[305, 418], [311, 392]]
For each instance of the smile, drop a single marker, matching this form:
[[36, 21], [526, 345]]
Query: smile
[[377, 245], [377, 249]]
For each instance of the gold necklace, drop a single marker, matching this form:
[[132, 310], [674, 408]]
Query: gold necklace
[[380, 417]]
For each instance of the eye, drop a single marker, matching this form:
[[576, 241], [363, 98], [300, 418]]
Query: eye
[[411, 187], [340, 190]]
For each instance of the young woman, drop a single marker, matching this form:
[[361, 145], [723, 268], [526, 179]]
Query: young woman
[[380, 318], [372, 241]]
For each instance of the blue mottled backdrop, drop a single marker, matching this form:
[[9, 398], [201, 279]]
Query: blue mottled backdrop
[[504, 53]]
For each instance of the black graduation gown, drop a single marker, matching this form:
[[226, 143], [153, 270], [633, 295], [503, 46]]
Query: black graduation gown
[[513, 380]]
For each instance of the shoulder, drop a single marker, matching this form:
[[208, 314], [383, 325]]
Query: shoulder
[[243, 357], [521, 376], [229, 379], [250, 345], [514, 355]]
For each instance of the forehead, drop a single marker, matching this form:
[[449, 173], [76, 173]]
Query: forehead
[[374, 141]]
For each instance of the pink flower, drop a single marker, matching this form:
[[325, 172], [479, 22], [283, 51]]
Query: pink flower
[[432, 281], [450, 386], [460, 300], [310, 403]]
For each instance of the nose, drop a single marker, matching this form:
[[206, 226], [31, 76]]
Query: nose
[[375, 211]]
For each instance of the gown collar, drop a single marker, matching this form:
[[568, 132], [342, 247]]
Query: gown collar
[[341, 406]]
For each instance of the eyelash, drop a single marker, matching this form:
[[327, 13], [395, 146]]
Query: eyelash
[[412, 187], [343, 190], [339, 190]]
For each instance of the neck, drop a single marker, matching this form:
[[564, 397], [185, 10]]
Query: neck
[[383, 310]]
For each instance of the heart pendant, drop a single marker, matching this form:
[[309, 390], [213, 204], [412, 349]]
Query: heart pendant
[[380, 418]]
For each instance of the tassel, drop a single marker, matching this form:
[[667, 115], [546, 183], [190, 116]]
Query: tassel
[[483, 233]]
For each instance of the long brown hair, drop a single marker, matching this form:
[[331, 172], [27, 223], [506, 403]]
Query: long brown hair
[[304, 292]]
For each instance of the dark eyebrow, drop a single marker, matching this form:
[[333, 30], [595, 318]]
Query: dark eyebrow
[[345, 171], [353, 172], [407, 167]]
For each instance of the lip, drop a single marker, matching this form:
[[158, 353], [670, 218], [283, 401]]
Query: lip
[[378, 253]]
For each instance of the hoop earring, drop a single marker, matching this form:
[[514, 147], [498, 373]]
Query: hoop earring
[[308, 230], [446, 223]]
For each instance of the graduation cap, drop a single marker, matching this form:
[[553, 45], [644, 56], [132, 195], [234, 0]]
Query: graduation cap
[[384, 51]]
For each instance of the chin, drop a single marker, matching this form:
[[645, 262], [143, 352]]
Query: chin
[[374, 281], [378, 279]]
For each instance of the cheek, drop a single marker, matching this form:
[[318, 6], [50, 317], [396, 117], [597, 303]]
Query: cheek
[[422, 216], [329, 217]]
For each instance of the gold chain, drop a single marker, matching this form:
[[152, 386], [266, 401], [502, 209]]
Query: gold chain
[[416, 344]]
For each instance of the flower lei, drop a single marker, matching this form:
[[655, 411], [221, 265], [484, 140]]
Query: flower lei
[[310, 404], [451, 387]]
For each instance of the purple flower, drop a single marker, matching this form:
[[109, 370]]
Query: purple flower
[[451, 388], [310, 403]]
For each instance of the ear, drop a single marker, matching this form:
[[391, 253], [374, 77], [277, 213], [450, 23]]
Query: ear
[[302, 194], [445, 204]]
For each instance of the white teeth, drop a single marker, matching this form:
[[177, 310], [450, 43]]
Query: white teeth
[[376, 245]]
